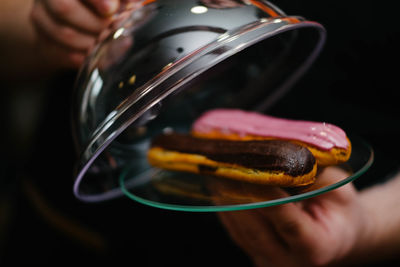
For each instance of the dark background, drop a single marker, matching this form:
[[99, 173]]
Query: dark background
[[354, 84]]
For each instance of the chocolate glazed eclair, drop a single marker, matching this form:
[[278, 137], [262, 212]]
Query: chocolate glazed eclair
[[270, 162]]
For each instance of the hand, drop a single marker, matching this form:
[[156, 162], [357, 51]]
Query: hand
[[318, 231], [67, 29]]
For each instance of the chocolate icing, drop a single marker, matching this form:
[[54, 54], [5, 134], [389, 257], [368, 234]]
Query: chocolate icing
[[269, 155]]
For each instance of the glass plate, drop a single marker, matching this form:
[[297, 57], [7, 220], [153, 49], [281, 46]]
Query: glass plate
[[193, 192]]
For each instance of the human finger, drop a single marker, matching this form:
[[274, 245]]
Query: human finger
[[290, 221], [59, 56], [103, 8], [292, 218], [62, 34], [331, 175], [76, 14], [306, 228], [254, 235]]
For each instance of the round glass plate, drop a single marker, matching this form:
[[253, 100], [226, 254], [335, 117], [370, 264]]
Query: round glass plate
[[193, 192]]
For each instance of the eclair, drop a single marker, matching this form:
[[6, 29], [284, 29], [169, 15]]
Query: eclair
[[328, 143], [269, 162]]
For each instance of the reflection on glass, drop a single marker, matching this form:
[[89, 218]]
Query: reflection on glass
[[198, 9]]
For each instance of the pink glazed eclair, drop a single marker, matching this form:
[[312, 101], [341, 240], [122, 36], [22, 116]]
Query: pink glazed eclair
[[328, 143]]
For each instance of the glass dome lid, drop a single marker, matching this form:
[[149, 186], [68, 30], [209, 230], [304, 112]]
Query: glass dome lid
[[163, 63]]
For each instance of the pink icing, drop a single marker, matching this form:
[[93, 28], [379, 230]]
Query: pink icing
[[322, 135]]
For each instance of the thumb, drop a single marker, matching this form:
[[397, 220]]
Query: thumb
[[290, 221]]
